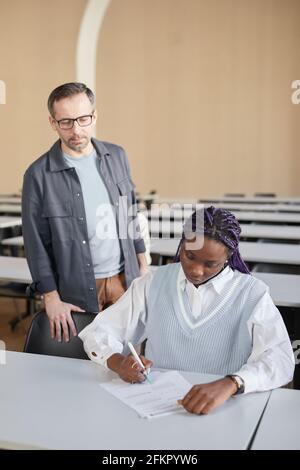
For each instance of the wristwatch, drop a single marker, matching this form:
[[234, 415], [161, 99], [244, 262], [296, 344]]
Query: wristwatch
[[239, 382]]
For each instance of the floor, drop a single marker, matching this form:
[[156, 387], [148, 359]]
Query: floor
[[9, 308]]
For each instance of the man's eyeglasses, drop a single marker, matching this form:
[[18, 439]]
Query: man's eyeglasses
[[82, 121]]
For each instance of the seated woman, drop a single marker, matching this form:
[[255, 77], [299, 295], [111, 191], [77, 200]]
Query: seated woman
[[203, 313]]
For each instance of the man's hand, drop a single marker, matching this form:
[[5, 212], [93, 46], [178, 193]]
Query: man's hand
[[203, 398], [127, 368], [59, 314]]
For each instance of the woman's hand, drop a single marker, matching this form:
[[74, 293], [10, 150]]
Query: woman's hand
[[203, 398], [127, 368]]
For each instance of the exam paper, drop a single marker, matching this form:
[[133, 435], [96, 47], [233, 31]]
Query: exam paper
[[154, 399]]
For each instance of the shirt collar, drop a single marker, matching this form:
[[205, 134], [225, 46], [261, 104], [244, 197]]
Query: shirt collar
[[56, 158], [217, 282]]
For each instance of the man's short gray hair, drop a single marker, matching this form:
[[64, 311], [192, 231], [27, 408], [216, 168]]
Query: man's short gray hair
[[66, 90]]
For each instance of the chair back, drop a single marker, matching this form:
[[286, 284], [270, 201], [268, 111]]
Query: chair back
[[39, 341]]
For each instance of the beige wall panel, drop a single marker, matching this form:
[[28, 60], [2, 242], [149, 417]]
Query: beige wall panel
[[37, 52], [199, 93]]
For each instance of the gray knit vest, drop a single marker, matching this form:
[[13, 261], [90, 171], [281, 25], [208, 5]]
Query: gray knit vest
[[221, 345]]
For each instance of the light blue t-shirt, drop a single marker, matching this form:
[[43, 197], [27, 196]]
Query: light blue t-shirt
[[100, 217]]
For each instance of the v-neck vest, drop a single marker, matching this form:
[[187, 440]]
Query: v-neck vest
[[218, 342]]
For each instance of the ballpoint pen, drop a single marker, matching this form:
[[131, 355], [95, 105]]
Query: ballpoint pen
[[138, 360]]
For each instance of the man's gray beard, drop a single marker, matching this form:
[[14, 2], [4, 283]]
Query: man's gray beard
[[78, 147]]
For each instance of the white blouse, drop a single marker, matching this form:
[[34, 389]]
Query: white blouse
[[270, 365]]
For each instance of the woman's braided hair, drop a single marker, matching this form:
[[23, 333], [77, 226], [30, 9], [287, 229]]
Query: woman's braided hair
[[219, 225]]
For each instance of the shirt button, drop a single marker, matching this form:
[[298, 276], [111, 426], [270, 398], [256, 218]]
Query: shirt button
[[80, 218], [117, 203], [88, 264], [84, 242], [94, 354], [78, 194], [91, 288]]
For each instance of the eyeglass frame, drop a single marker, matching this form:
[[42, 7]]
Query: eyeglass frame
[[75, 119]]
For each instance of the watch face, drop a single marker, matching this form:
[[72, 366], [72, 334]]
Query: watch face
[[240, 383]]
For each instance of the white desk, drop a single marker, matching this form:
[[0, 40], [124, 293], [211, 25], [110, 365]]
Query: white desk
[[57, 403], [275, 232], [165, 227], [281, 232], [279, 427], [252, 200], [251, 251], [10, 200], [272, 217], [14, 269], [231, 206], [10, 209], [6, 221], [173, 200], [270, 252], [13, 241], [284, 288]]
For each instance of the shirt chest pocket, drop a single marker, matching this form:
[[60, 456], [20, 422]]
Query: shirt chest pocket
[[60, 219], [125, 186], [57, 209]]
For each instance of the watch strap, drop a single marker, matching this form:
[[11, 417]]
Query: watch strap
[[239, 382]]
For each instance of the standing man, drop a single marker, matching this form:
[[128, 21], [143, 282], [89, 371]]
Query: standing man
[[80, 228]]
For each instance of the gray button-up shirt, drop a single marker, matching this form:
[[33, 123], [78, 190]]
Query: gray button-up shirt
[[55, 229]]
